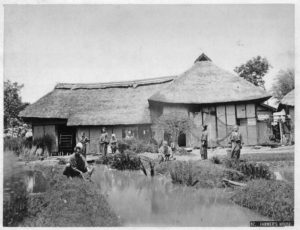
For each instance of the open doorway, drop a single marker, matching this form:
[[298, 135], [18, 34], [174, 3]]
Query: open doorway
[[66, 139], [182, 140]]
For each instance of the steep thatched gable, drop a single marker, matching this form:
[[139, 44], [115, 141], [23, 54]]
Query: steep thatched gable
[[205, 83], [99, 104]]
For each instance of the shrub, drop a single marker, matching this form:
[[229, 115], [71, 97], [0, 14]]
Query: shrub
[[137, 146], [44, 142], [274, 199], [182, 173], [14, 144], [252, 170], [122, 161], [215, 160]]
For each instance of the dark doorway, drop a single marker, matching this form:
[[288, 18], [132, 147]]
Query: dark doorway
[[66, 139], [182, 140]]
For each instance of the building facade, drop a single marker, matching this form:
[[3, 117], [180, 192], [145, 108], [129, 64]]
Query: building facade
[[204, 94]]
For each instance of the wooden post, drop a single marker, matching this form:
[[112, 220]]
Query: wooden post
[[280, 129]]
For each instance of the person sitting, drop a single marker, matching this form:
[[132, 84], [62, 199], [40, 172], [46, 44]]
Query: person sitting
[[77, 165], [165, 151]]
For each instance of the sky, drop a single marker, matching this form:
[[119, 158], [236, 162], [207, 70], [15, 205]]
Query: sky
[[48, 44]]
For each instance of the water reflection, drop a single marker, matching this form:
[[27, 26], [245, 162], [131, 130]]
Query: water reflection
[[144, 201]]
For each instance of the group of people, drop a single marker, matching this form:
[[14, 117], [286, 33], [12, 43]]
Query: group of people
[[235, 140], [104, 142]]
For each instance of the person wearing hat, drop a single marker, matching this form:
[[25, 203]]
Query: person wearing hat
[[77, 165], [204, 139], [236, 142]]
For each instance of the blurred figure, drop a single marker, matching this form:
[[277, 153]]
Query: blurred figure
[[84, 140], [204, 139], [113, 143], [104, 141], [129, 135], [236, 143], [165, 151], [152, 139]]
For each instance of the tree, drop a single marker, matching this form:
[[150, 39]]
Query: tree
[[174, 125], [254, 70], [13, 104], [283, 83]]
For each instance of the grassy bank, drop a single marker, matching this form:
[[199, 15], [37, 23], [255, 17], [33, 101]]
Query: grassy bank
[[271, 198], [65, 203], [69, 203]]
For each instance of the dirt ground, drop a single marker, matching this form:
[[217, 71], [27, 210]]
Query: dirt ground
[[195, 154]]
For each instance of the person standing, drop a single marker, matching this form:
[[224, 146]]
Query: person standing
[[236, 143], [113, 143], [104, 141], [84, 140], [204, 144]]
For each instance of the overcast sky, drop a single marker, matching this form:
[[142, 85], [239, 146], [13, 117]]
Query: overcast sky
[[47, 44]]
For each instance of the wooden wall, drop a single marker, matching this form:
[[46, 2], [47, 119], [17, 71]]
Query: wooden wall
[[94, 132], [221, 119]]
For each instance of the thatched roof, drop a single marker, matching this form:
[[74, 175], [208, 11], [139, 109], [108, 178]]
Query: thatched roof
[[289, 99], [205, 83], [111, 103]]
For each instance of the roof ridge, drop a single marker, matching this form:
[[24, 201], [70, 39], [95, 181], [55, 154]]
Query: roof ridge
[[133, 83]]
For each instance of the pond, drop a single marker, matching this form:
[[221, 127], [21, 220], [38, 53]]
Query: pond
[[145, 201]]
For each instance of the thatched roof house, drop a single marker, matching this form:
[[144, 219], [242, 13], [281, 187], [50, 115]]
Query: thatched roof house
[[114, 103], [205, 93], [206, 83]]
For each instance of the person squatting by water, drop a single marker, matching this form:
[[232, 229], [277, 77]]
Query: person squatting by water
[[113, 143], [84, 140], [104, 142], [204, 138], [236, 143], [77, 165], [165, 151]]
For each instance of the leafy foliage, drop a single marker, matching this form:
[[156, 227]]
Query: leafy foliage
[[274, 199], [137, 146], [252, 170], [254, 70], [128, 160], [12, 104], [284, 83], [44, 142], [174, 125]]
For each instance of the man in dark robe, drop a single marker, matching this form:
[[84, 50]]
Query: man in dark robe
[[236, 143], [204, 139]]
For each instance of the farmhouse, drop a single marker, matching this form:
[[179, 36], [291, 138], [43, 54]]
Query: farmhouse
[[204, 94]]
